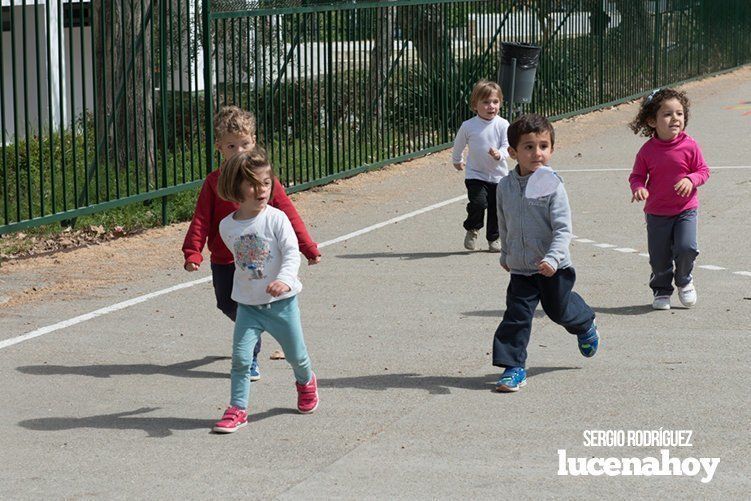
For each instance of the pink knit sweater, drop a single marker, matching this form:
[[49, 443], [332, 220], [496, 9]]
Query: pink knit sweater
[[659, 165]]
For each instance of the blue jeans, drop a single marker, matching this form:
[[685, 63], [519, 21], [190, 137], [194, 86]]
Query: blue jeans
[[671, 239], [281, 319], [560, 303]]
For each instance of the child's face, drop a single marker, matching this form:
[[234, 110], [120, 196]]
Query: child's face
[[231, 144], [488, 107], [533, 151], [256, 199], [669, 121]]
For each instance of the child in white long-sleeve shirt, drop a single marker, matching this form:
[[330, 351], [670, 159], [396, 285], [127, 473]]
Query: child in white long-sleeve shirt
[[266, 255], [485, 134]]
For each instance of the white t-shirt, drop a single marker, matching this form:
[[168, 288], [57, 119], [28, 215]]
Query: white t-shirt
[[481, 135], [265, 249]]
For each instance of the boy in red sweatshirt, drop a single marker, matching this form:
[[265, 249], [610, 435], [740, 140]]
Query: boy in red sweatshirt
[[235, 132]]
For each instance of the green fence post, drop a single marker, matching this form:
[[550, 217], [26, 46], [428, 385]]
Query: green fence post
[[601, 55], [329, 96], [656, 47], [208, 88], [162, 92]]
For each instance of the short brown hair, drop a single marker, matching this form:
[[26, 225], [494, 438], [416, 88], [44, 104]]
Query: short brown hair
[[233, 120], [531, 123], [482, 90], [240, 168], [650, 105]]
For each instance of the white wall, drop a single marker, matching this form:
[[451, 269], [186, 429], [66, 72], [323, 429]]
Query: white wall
[[29, 96]]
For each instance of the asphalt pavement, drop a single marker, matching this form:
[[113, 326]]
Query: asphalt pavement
[[399, 321]]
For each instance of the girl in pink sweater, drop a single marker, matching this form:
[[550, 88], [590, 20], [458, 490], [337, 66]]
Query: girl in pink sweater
[[667, 171]]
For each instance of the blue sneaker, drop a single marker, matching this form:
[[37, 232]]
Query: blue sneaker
[[255, 373], [512, 379], [589, 341]]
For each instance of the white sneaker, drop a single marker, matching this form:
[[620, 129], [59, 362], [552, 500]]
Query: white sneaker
[[470, 239], [661, 303], [687, 295], [495, 245]]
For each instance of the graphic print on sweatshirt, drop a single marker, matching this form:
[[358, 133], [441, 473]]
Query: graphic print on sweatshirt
[[251, 254]]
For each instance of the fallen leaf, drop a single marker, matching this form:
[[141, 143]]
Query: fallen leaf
[[277, 355]]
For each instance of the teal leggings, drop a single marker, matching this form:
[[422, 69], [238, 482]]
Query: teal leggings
[[281, 319]]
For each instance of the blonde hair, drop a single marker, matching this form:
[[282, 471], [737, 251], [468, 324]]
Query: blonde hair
[[482, 90], [241, 168], [233, 120]]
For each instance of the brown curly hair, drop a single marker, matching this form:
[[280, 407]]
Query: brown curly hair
[[233, 120], [651, 103]]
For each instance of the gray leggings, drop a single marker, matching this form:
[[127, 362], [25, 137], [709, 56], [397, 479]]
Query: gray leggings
[[671, 239]]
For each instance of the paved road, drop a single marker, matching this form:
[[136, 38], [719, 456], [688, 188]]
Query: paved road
[[399, 322]]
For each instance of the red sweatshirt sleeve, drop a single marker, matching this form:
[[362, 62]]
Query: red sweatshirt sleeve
[[198, 232], [638, 177], [281, 201], [699, 169]]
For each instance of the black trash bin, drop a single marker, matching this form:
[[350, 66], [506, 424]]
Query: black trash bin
[[518, 82]]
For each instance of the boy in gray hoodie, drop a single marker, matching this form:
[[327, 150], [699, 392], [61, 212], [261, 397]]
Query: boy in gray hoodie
[[534, 221]]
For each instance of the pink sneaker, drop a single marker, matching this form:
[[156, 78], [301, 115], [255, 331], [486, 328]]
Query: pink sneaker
[[234, 418], [307, 396]]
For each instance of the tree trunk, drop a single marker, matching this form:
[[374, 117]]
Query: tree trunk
[[637, 19], [381, 56], [125, 112], [426, 27]]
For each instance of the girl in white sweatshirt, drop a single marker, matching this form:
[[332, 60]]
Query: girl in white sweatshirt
[[485, 134], [267, 258]]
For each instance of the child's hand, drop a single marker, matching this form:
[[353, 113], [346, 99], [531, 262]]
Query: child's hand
[[189, 266], [505, 267], [494, 153], [314, 260], [277, 288], [639, 195], [684, 187], [545, 269], [459, 166]]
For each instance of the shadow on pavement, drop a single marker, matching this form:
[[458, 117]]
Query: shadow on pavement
[[409, 256], [639, 309], [434, 385], [497, 313], [182, 369], [156, 427]]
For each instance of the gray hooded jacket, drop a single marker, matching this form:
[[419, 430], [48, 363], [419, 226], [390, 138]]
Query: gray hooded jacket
[[532, 230]]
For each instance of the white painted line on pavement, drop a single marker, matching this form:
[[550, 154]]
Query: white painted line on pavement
[[391, 221], [140, 299], [98, 313], [629, 250]]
